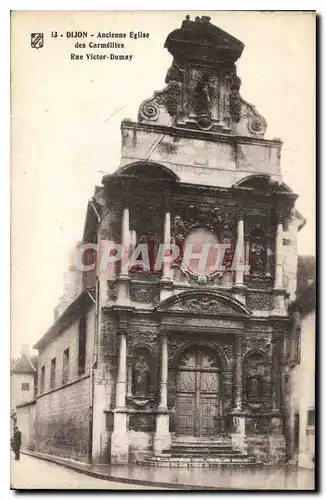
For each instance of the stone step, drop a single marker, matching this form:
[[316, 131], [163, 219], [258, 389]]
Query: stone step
[[164, 458], [201, 464], [203, 453]]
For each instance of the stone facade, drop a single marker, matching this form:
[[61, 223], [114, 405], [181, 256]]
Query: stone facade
[[180, 352]]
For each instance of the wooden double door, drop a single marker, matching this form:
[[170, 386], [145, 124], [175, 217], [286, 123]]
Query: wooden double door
[[197, 394]]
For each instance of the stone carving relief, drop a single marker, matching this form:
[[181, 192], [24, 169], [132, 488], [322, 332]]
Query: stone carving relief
[[144, 294], [219, 223], [142, 422], [257, 344], [204, 305], [256, 123], [234, 98], [227, 350], [168, 98], [138, 338], [262, 282], [174, 345], [257, 251], [259, 301]]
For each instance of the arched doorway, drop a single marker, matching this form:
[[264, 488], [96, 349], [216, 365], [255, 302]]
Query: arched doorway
[[197, 393]]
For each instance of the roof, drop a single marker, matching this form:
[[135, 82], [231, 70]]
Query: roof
[[25, 364], [73, 311], [202, 40]]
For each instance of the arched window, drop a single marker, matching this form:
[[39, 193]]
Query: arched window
[[257, 251]]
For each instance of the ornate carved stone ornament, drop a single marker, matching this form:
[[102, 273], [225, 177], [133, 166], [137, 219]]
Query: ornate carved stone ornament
[[234, 97], [217, 222], [259, 301], [256, 123], [257, 251], [142, 422], [138, 339], [204, 302], [142, 293], [168, 99], [262, 282], [253, 345], [202, 89]]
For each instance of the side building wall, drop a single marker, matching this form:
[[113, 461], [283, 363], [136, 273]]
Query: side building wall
[[63, 411], [302, 401], [25, 415]]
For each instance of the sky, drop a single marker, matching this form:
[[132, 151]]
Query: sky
[[66, 115]]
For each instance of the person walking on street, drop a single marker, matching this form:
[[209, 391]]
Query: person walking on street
[[16, 442]]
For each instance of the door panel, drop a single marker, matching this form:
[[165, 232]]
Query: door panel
[[185, 415], [186, 381], [208, 416], [197, 400], [208, 382]]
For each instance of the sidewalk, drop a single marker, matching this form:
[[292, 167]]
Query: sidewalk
[[261, 478]]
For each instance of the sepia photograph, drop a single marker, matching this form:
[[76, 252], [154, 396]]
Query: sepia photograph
[[163, 250]]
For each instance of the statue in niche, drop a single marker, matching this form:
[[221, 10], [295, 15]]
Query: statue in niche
[[202, 96], [254, 386], [141, 377]]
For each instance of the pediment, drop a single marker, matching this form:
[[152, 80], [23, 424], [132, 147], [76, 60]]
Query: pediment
[[185, 41], [203, 303]]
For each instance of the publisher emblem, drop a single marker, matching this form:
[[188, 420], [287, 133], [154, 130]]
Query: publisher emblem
[[37, 40]]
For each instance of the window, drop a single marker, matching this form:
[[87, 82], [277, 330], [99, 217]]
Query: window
[[65, 368], [42, 378], [82, 333], [53, 373], [25, 386], [311, 418]]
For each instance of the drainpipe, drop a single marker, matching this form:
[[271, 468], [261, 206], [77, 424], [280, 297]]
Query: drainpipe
[[96, 337]]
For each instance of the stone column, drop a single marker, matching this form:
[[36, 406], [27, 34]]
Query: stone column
[[277, 445], [119, 438], [238, 373], [120, 395], [166, 279], [247, 253], [239, 435], [278, 279], [164, 373], [241, 251], [167, 240], [162, 438], [239, 260], [279, 306], [129, 380], [276, 365], [123, 279]]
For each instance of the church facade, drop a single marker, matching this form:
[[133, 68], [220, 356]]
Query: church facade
[[187, 355]]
